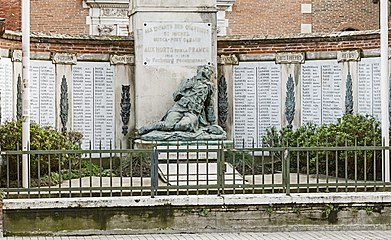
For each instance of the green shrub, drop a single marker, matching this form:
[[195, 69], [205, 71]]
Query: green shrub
[[350, 130], [41, 138]]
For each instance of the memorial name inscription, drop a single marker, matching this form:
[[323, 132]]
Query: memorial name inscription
[[6, 89], [93, 103], [177, 43], [257, 101]]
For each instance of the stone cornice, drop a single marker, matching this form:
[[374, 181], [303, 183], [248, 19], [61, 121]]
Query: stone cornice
[[292, 38], [50, 37]]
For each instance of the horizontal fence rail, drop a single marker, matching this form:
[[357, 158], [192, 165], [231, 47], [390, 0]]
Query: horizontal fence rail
[[202, 168]]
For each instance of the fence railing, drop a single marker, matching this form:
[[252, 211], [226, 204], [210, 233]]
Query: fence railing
[[205, 168]]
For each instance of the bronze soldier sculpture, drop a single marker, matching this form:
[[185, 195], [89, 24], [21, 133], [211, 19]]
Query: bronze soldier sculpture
[[193, 108]]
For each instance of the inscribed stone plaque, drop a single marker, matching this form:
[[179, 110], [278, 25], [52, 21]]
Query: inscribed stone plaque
[[177, 43], [369, 101], [42, 93], [321, 92], [257, 101], [93, 103], [6, 89]]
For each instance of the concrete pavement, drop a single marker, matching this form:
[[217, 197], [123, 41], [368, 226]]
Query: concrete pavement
[[306, 235]]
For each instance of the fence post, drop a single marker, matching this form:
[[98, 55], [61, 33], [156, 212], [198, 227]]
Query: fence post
[[154, 172]]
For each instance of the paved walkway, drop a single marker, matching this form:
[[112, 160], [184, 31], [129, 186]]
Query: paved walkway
[[308, 235]]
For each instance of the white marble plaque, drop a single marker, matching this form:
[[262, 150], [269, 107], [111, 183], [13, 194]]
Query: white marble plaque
[[369, 101], [177, 43], [42, 93], [6, 89], [332, 100], [93, 103], [321, 92], [257, 103]]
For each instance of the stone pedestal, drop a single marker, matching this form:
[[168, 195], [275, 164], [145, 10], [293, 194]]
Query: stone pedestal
[[171, 38]]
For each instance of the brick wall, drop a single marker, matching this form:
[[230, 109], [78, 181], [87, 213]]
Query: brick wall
[[65, 16], [333, 15], [248, 17], [11, 11], [264, 17], [74, 44], [298, 43], [54, 16], [285, 16]]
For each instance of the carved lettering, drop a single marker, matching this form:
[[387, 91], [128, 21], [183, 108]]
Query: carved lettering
[[290, 57], [64, 58], [348, 55], [122, 59]]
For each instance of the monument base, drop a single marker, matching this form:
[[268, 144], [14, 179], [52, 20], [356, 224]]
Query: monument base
[[191, 162]]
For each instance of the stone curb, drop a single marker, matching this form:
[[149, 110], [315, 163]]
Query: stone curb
[[200, 200]]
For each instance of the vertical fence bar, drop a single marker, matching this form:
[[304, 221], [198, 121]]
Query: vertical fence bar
[[253, 166], [224, 167], [39, 175], [100, 169], [288, 174], [198, 166], [355, 164], [120, 169], [308, 171], [177, 168], [298, 167], [8, 175], [263, 170], [365, 166], [187, 167], [327, 167], [60, 159], [317, 168], [234, 169], [154, 163], [50, 175], [111, 169], [243, 167], [336, 168], [90, 160], [80, 174], [346, 166], [131, 174]]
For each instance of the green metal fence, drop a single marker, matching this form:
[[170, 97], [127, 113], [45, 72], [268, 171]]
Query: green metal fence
[[197, 168]]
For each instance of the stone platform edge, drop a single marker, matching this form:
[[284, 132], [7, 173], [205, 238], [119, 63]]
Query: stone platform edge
[[200, 200]]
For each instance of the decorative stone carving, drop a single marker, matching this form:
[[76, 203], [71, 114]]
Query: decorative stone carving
[[228, 60], [125, 108], [349, 55], [290, 57], [64, 105], [349, 95], [16, 55], [64, 58], [290, 101], [222, 103], [105, 29], [115, 12], [122, 59]]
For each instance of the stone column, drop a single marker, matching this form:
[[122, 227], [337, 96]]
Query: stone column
[[124, 95], [349, 60], [63, 63], [171, 39], [290, 69], [226, 69]]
